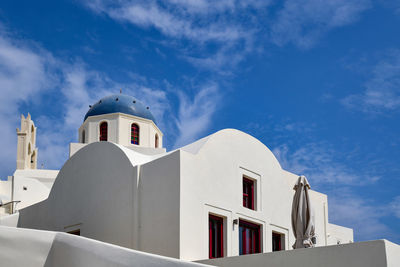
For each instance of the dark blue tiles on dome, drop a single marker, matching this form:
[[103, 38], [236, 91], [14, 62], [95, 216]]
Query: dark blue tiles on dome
[[120, 103]]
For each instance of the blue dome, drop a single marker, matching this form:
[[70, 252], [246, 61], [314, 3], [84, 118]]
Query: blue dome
[[120, 103]]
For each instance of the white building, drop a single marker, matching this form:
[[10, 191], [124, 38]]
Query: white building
[[28, 185], [223, 195]]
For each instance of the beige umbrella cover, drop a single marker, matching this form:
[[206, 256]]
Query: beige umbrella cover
[[302, 215]]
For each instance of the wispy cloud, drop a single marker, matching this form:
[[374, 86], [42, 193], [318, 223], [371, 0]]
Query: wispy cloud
[[303, 22], [201, 21], [317, 161], [23, 75], [343, 185], [218, 35], [194, 27], [382, 90], [195, 114], [362, 214], [28, 73], [395, 206]]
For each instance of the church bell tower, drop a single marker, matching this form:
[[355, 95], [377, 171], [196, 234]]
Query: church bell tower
[[26, 148]]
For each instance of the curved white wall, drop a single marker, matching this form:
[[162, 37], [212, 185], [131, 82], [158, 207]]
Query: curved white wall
[[93, 192]]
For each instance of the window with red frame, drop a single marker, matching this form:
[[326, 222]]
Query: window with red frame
[[249, 238], [216, 236], [134, 134], [277, 241], [103, 131], [83, 136], [156, 141], [248, 193]]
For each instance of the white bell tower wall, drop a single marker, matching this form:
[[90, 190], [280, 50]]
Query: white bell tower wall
[[119, 131], [26, 147]]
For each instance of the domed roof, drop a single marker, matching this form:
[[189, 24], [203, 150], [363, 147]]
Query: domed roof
[[120, 103]]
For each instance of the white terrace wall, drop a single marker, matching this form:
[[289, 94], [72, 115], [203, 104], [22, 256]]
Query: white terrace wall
[[26, 247], [159, 206], [378, 253]]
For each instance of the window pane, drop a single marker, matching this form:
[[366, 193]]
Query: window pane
[[216, 238], [134, 134], [249, 238], [248, 193], [103, 131], [276, 242]]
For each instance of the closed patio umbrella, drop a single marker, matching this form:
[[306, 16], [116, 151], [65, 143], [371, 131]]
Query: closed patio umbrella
[[303, 224]]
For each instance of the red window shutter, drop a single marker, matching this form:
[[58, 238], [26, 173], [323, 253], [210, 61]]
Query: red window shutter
[[103, 131], [248, 193], [251, 238], [216, 237]]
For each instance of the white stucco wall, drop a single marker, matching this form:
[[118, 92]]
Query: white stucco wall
[[378, 253], [26, 247], [92, 128], [159, 206], [5, 197], [5, 190], [165, 211], [339, 235], [93, 192], [212, 170], [74, 147], [96, 192], [10, 220], [211, 182], [33, 248], [148, 130], [32, 186]]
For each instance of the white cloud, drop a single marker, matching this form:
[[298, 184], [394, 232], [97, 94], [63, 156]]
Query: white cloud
[[303, 22], [233, 28], [225, 24], [343, 185], [195, 115], [23, 76], [219, 60], [76, 94], [382, 90], [317, 162], [395, 206], [199, 21], [28, 73], [361, 214]]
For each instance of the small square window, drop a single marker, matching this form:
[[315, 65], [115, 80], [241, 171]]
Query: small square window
[[278, 241], [248, 193], [75, 232]]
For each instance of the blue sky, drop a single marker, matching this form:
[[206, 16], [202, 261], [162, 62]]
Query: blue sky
[[317, 81]]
